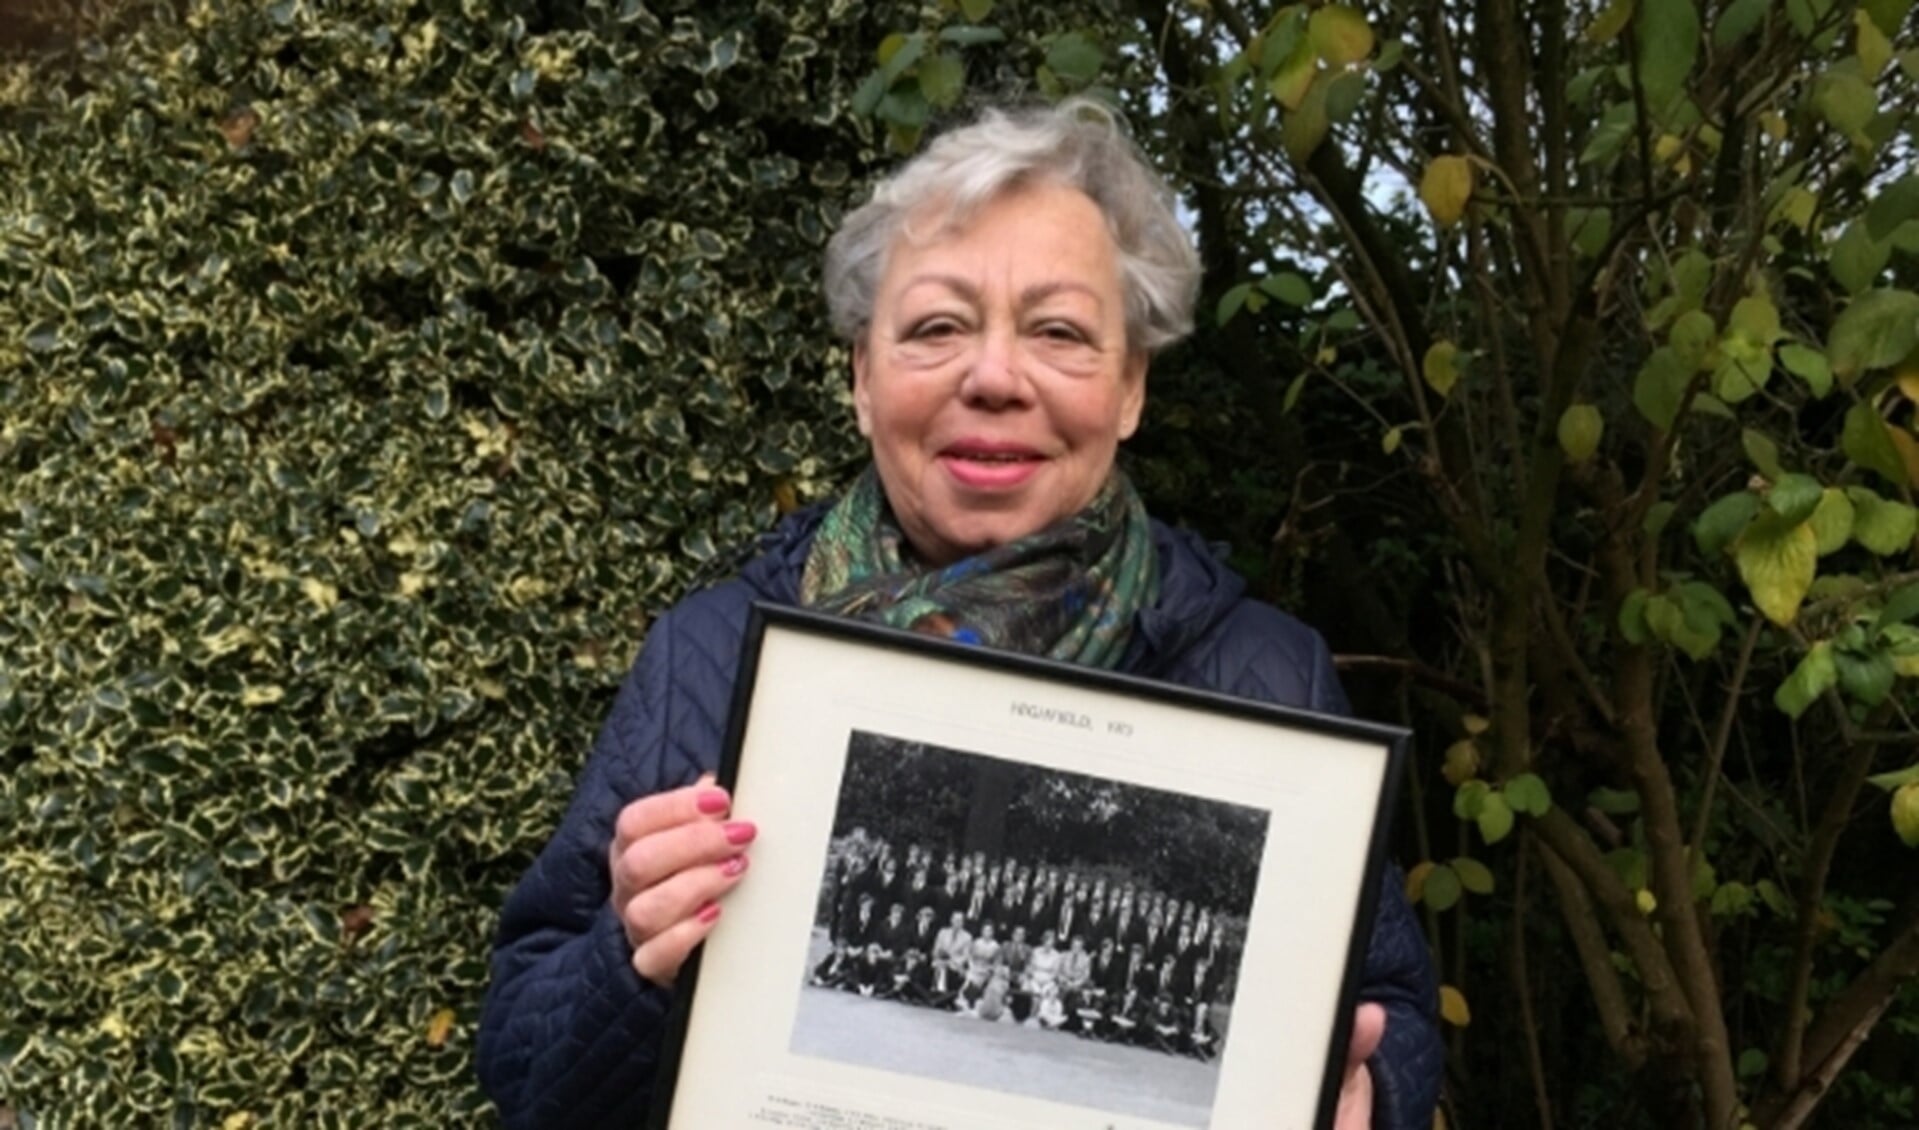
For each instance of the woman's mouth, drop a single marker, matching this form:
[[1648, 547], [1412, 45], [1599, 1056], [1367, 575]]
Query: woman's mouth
[[982, 466]]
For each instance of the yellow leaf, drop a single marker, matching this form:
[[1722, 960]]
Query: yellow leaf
[[1580, 427], [1340, 35], [264, 695], [1440, 367], [238, 1120], [1446, 188], [1389, 443], [1648, 902], [1326, 355], [1778, 560], [1462, 763], [1416, 881], [1775, 125], [1874, 49], [1796, 207], [1908, 448], [1667, 148], [412, 584], [439, 1028], [1453, 1008], [1610, 22], [1909, 384], [1474, 724], [1905, 813], [1294, 77], [324, 596]]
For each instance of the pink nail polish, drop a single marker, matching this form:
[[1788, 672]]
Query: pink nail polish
[[740, 832], [711, 801], [708, 912], [733, 866]]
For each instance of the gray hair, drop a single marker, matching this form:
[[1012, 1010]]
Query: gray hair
[[1079, 143]]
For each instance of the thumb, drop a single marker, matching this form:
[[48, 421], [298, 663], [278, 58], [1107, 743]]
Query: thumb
[[1369, 1027]]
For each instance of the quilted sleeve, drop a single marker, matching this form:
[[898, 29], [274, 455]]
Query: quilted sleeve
[[1411, 1061], [570, 1034]]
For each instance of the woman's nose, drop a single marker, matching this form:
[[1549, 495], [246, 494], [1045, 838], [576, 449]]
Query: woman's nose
[[994, 378]]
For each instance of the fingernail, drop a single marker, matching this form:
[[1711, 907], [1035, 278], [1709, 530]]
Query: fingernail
[[740, 832], [733, 866], [711, 801], [709, 912]]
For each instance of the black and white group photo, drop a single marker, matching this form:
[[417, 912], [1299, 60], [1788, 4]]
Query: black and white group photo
[[994, 923]]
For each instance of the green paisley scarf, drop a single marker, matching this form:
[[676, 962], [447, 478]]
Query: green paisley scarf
[[1069, 591]]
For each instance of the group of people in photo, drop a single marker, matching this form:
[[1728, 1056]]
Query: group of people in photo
[[1026, 942]]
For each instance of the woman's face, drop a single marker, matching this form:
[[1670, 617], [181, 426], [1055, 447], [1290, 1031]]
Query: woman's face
[[995, 382]]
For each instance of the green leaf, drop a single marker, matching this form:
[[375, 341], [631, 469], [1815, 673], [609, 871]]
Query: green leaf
[[1905, 815], [975, 11], [1889, 15], [1884, 527], [1470, 799], [942, 80], [1343, 95], [1580, 428], [1668, 38], [1075, 58], [1752, 1061], [1340, 35], [898, 52], [866, 98], [1661, 386], [1809, 365], [1897, 779], [1230, 302], [1288, 288], [1442, 889], [1795, 497], [1293, 388], [1705, 605], [1893, 206], [1692, 337], [1857, 258], [1814, 675], [1440, 367], [1832, 521], [1495, 819], [1729, 900], [1846, 100], [1900, 607], [1658, 516], [1763, 452], [1527, 793], [1866, 442], [1739, 20], [1724, 521], [1875, 330], [1866, 677], [1306, 125], [1777, 559], [1632, 617], [1614, 802], [1473, 875]]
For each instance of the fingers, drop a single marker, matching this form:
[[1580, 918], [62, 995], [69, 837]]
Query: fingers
[[659, 959], [655, 858], [1355, 1102], [658, 908], [702, 802], [1369, 1027]]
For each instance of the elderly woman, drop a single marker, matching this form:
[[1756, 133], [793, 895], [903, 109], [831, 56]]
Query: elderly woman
[[1002, 294]]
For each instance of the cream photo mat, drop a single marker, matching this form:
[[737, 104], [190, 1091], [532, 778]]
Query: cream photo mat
[[1325, 784]]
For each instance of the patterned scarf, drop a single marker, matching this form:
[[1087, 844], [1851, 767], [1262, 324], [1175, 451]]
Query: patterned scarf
[[1069, 591]]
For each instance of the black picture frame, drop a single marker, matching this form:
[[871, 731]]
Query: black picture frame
[[811, 680]]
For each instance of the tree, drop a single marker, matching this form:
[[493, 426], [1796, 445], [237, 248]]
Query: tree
[[1624, 291]]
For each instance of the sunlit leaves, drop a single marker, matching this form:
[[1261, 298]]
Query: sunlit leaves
[[1446, 188], [1815, 675], [1883, 526], [1832, 521], [1660, 387], [1724, 521]]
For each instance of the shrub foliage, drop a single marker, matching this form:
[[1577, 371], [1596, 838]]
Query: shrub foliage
[[372, 370]]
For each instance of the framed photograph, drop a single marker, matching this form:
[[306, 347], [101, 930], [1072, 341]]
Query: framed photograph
[[994, 892]]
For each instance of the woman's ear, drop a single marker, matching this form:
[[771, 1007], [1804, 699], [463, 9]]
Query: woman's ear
[[1133, 393], [862, 396]]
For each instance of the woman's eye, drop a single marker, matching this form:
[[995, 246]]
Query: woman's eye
[[1062, 331], [933, 329]]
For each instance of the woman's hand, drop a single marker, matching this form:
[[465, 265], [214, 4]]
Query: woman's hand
[[1356, 1093], [673, 855]]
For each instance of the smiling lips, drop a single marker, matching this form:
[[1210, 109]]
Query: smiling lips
[[983, 465]]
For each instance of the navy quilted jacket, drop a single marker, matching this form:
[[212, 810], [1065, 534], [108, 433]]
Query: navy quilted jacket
[[570, 1035]]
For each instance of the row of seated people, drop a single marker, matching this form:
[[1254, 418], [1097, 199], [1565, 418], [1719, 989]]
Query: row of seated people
[[1105, 995], [867, 880]]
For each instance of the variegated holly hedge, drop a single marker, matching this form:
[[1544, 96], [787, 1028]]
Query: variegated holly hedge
[[370, 371]]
